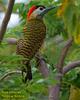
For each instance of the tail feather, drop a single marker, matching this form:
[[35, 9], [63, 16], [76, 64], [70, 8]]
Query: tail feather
[[28, 72]]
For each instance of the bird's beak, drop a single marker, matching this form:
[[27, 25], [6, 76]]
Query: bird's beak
[[48, 9]]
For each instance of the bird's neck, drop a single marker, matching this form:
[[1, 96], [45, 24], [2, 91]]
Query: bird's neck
[[35, 22], [35, 19]]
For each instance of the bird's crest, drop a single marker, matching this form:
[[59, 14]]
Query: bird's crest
[[34, 7], [31, 10]]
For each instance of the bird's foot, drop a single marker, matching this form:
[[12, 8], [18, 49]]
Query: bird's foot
[[26, 75], [24, 72]]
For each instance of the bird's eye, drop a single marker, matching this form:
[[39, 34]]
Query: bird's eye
[[41, 8]]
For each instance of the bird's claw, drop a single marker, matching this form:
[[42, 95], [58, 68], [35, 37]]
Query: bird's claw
[[24, 74]]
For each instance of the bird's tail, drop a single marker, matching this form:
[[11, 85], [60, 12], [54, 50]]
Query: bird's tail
[[28, 73]]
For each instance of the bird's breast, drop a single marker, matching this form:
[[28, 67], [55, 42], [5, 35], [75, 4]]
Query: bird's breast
[[34, 35], [35, 29]]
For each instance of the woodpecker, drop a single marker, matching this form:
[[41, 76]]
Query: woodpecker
[[34, 34]]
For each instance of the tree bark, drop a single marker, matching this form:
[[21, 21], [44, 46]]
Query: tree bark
[[71, 66], [6, 19], [55, 90]]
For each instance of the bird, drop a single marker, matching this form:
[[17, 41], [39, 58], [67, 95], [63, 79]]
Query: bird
[[34, 33]]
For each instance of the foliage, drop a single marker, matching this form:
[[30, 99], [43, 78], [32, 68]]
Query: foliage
[[61, 21], [75, 95], [53, 27], [70, 13]]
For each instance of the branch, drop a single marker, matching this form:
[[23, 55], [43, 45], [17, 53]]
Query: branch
[[54, 91], [71, 66], [42, 66], [6, 19], [63, 54], [9, 74], [11, 41]]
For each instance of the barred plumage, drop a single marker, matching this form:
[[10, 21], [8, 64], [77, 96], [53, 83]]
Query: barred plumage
[[33, 37]]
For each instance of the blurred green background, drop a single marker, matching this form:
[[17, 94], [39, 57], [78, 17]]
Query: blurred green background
[[56, 37]]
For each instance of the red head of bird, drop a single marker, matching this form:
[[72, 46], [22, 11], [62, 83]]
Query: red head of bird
[[38, 12]]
